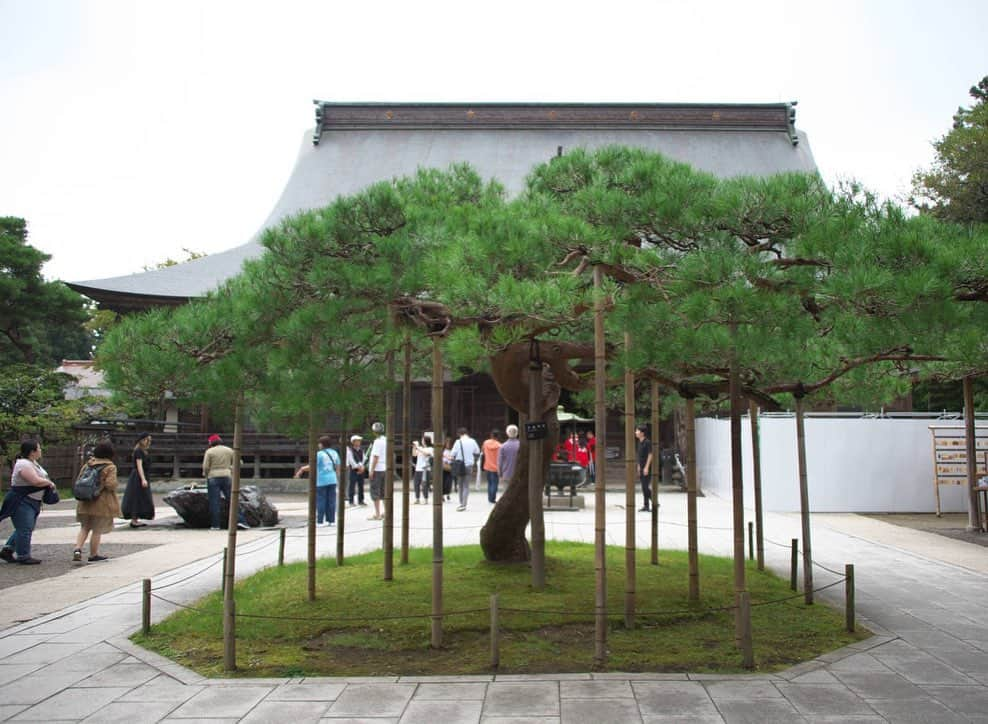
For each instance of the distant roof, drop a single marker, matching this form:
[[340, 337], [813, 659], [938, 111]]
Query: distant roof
[[357, 144]]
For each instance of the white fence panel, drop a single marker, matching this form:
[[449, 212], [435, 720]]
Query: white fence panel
[[864, 465]]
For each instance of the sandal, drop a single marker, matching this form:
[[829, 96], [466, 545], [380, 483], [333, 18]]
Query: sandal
[[138, 525], [93, 559], [77, 554]]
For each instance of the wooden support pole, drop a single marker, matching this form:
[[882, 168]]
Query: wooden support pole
[[406, 452], [751, 541], [310, 556], [756, 462], [970, 444], [656, 469], [388, 530], [630, 479], [146, 607], [692, 528], [737, 482], [600, 501], [794, 564], [744, 614], [849, 597], [281, 546], [229, 606], [804, 503], [341, 496], [495, 634], [437, 496], [535, 483]]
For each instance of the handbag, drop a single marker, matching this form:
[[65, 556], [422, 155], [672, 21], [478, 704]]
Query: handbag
[[50, 496], [458, 467]]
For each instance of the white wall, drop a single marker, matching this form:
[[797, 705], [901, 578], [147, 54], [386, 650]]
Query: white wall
[[853, 465]]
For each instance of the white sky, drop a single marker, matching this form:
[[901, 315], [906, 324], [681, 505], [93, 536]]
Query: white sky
[[129, 130]]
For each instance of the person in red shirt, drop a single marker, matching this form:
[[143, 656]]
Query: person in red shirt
[[592, 448]]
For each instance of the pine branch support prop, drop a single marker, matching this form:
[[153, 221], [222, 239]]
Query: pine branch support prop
[[600, 501], [310, 555], [438, 443], [804, 502], [630, 474], [341, 497], [656, 468], [388, 531], [692, 527], [229, 604], [406, 456], [737, 485], [756, 462], [970, 444], [535, 484]]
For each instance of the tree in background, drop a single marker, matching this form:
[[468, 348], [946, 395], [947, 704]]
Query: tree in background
[[40, 321], [955, 188]]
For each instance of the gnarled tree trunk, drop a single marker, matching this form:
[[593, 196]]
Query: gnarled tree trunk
[[503, 536]]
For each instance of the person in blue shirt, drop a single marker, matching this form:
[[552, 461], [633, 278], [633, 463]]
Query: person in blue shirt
[[327, 477]]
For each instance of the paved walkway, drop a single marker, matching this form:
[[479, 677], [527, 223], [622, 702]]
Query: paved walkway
[[925, 596]]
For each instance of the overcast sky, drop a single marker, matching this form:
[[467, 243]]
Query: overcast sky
[[129, 130]]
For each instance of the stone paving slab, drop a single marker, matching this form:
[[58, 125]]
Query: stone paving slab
[[928, 663]]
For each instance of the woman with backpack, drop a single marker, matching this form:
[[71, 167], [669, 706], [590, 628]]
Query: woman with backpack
[[96, 516]]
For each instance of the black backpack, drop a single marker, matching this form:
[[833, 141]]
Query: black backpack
[[87, 485]]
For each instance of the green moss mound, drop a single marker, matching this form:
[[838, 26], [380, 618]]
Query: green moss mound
[[361, 625]]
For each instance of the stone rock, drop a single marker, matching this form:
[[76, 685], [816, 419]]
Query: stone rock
[[193, 505]]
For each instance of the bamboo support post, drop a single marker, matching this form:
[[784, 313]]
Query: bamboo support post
[[656, 468], [804, 503], [281, 546], [849, 597], [230, 567], [406, 453], [341, 497], [744, 614], [970, 446], [311, 528], [756, 462], [495, 634], [751, 541], [794, 564], [387, 530], [146, 606], [737, 482], [535, 482], [630, 475], [692, 529], [437, 496], [600, 430]]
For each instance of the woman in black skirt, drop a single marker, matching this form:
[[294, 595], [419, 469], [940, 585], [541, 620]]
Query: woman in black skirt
[[137, 501]]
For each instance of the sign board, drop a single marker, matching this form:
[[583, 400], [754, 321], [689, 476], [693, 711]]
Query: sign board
[[950, 456], [536, 431]]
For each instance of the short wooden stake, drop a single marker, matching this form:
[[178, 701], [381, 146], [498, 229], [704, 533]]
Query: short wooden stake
[[146, 608], [849, 596], [281, 547], [794, 564], [751, 541], [747, 650], [495, 634], [223, 572]]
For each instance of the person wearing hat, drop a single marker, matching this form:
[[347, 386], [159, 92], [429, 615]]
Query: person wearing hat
[[217, 468], [138, 502], [356, 462]]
